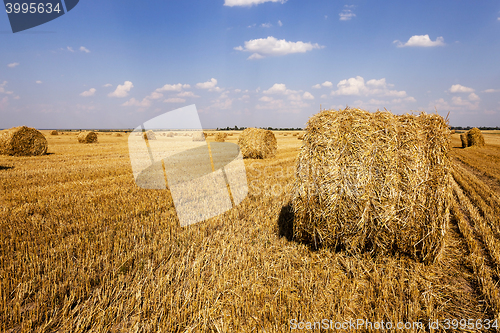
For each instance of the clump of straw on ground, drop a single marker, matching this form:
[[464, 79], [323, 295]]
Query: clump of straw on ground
[[22, 141], [220, 137], [257, 143], [87, 137], [374, 182]]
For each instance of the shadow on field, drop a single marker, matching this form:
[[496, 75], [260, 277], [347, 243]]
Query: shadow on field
[[2, 167], [285, 222]]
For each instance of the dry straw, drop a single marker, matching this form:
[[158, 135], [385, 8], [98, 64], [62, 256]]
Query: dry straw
[[22, 141], [374, 182], [169, 134], [199, 136], [117, 134], [87, 137], [463, 138], [54, 132], [220, 137], [475, 137], [257, 143], [150, 135]]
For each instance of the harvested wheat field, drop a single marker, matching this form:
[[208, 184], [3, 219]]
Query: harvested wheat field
[[86, 250]]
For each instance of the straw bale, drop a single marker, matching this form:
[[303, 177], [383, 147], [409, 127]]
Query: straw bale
[[169, 134], [117, 134], [87, 137], [463, 138], [150, 135], [374, 182], [475, 137], [452, 132], [22, 141], [199, 136], [220, 137], [257, 143], [54, 132]]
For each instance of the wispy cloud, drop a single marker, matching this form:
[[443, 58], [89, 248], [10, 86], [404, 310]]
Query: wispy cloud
[[266, 25], [174, 100], [270, 46], [248, 3], [279, 23], [107, 85], [347, 14], [122, 90], [491, 90], [88, 93], [173, 87], [12, 65], [421, 41], [2, 89], [70, 49], [458, 88], [327, 84], [38, 82], [207, 85], [84, 49]]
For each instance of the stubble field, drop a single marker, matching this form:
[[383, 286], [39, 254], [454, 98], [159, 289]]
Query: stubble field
[[83, 249]]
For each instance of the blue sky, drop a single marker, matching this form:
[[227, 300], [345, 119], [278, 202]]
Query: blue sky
[[116, 64]]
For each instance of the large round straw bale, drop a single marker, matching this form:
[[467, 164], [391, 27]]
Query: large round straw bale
[[475, 137], [54, 132], [374, 182], [150, 135], [257, 143], [220, 137], [199, 136], [463, 138], [22, 141], [87, 137]]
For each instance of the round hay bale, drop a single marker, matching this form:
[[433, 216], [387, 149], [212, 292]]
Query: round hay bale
[[87, 137], [169, 135], [199, 136], [150, 135], [295, 134], [22, 141], [220, 137], [374, 182], [300, 137], [475, 137], [117, 134], [463, 138], [257, 143], [452, 132], [54, 132]]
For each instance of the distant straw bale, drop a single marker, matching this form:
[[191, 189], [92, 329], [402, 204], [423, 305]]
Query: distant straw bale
[[374, 182], [300, 137], [169, 135], [54, 132], [220, 137], [257, 143], [295, 134], [87, 137], [117, 134], [22, 141], [199, 136], [475, 137], [452, 132], [463, 138], [150, 135]]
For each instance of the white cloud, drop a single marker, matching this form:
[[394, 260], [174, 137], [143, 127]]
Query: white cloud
[[324, 96], [316, 86], [266, 25], [187, 94], [232, 3], [279, 23], [357, 86], [2, 88], [173, 87], [458, 88], [155, 95], [122, 90], [38, 82], [270, 46], [421, 41], [84, 49], [133, 102], [88, 93], [265, 99], [107, 85], [252, 25], [207, 85], [279, 88], [346, 15], [70, 49], [473, 97], [307, 95], [491, 90], [456, 100], [12, 65], [174, 100]]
